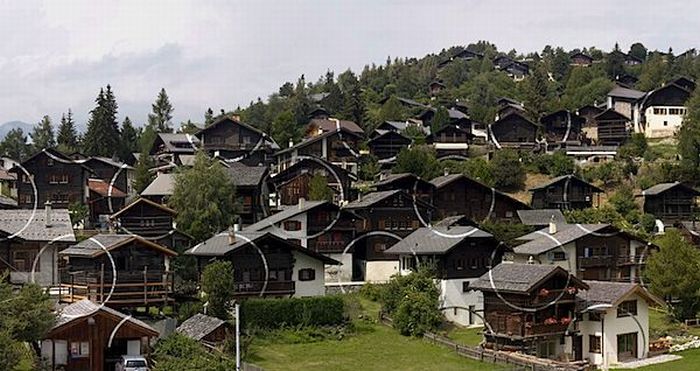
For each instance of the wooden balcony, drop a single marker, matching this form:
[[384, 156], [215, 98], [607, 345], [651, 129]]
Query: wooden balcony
[[330, 246], [131, 288], [595, 261], [558, 296], [538, 329], [147, 225], [255, 288], [631, 260]]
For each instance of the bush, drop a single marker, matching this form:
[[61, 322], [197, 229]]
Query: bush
[[373, 291], [291, 312], [217, 283], [178, 352], [187, 309], [623, 200], [507, 171], [413, 301]]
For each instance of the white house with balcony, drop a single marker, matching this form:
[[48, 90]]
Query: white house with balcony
[[663, 110]]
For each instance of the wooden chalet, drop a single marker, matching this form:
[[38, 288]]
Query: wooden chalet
[[452, 140], [317, 127], [104, 198], [684, 82], [58, 179], [541, 218], [206, 329], [251, 191], [464, 54], [24, 234], [613, 128], [111, 171], [502, 61], [169, 146], [386, 144], [153, 221], [516, 70], [230, 138], [117, 270], [410, 183], [671, 202], [514, 130], [456, 194], [390, 211], [581, 60], [292, 183], [625, 100], [562, 127], [456, 116], [265, 264], [88, 336], [319, 113], [530, 308], [565, 192], [339, 147], [690, 231], [589, 128]]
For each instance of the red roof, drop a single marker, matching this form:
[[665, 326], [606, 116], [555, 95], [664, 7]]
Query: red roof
[[102, 188]]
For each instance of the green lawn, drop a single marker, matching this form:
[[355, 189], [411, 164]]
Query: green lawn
[[466, 336], [690, 362], [371, 347]]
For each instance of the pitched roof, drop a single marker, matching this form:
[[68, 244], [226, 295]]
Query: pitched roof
[[334, 124], [147, 202], [14, 221], [85, 308], [243, 175], [105, 189], [426, 241], [106, 160], [371, 198], [565, 178], [8, 202], [96, 245], [663, 187], [612, 293], [199, 326], [444, 180], [223, 119], [542, 241], [219, 245], [541, 216], [6, 175], [171, 141], [314, 139], [162, 185], [455, 220], [285, 214], [610, 114], [520, 278], [625, 93]]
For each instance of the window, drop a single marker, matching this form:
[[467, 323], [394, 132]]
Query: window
[[558, 256], [49, 162], [23, 260], [465, 288], [379, 247], [594, 344], [459, 264], [25, 199], [665, 123], [659, 111], [79, 349], [627, 308], [676, 111], [307, 274], [292, 225]]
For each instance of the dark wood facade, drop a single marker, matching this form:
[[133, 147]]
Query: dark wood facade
[[452, 139], [411, 184], [675, 203], [292, 183], [145, 218], [58, 179], [613, 128], [458, 195], [609, 258], [562, 127], [230, 138], [564, 193], [109, 171], [514, 130], [388, 144]]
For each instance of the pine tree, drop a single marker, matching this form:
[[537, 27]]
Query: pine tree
[[391, 110], [42, 135], [353, 105], [318, 189], [162, 113], [102, 135], [15, 145], [537, 92], [129, 140], [67, 138], [440, 120]]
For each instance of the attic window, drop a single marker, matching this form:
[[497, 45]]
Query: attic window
[[49, 162], [558, 256], [627, 308]]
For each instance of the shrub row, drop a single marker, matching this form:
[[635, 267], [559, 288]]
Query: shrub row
[[288, 312]]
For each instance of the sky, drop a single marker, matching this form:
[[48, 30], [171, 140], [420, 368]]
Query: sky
[[56, 54]]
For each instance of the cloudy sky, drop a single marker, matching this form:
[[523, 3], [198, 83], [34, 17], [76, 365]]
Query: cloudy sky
[[56, 54]]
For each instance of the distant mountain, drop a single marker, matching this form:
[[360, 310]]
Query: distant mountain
[[6, 127]]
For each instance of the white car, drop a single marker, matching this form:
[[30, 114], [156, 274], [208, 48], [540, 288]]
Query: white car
[[132, 363]]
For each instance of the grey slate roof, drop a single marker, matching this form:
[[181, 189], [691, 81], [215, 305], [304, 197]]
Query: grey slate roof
[[314, 139], [93, 246], [8, 202], [394, 177], [13, 221], [107, 161], [541, 217], [425, 241], [445, 179], [371, 199], [562, 179], [283, 215], [245, 176], [517, 278], [622, 92], [199, 326], [84, 308], [663, 187], [162, 185], [606, 292], [541, 241], [170, 139], [450, 221]]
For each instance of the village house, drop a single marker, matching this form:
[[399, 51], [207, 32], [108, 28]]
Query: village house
[[625, 101], [613, 128], [459, 255], [160, 189], [251, 190], [88, 336], [589, 128], [507, 106], [118, 174], [103, 200], [206, 329], [690, 231], [265, 264], [671, 202], [515, 131], [395, 215], [168, 147], [562, 128], [663, 110], [614, 322], [599, 252], [567, 192], [57, 178], [579, 59], [452, 140], [30, 244], [8, 184], [292, 183], [229, 138], [408, 182], [117, 270], [386, 144], [464, 54], [530, 308], [541, 217], [435, 87], [456, 194]]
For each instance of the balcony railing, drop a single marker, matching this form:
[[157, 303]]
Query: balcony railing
[[554, 296], [325, 246], [131, 288], [532, 329], [253, 288], [595, 261]]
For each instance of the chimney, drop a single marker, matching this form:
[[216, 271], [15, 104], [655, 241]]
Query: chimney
[[445, 172], [552, 226], [231, 236], [291, 143], [47, 217], [302, 201], [531, 260]]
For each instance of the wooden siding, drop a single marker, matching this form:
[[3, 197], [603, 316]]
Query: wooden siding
[[465, 197], [59, 182]]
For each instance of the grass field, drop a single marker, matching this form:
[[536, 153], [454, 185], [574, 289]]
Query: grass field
[[372, 347]]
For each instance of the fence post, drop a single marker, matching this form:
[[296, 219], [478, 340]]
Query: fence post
[[145, 285]]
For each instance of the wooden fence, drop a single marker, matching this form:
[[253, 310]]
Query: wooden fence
[[516, 360], [695, 322]]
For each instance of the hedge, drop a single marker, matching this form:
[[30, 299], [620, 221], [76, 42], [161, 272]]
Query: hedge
[[278, 313]]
